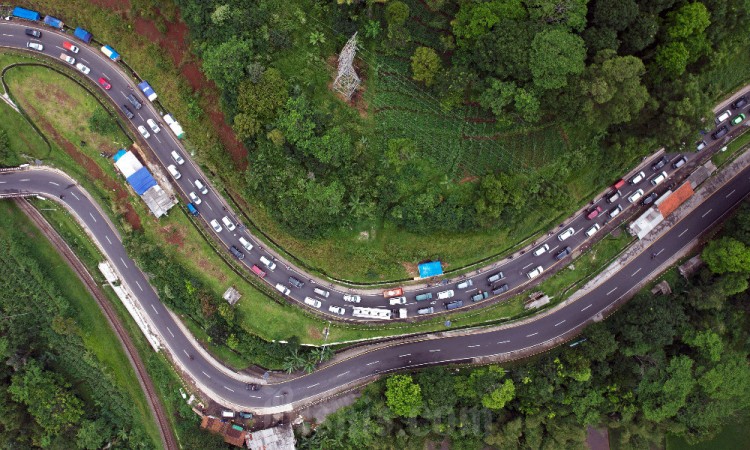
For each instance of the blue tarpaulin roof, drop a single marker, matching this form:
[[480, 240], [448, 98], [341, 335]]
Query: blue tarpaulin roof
[[141, 180], [119, 154], [430, 269]]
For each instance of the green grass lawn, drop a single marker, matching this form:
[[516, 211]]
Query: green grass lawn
[[93, 327], [735, 436]]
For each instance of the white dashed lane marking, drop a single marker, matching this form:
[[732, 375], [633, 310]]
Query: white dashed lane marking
[[636, 272], [342, 374], [74, 195], [532, 334], [560, 323], [374, 362], [706, 213], [123, 261], [680, 235], [107, 238], [613, 290], [473, 346], [92, 216], [170, 331], [52, 182], [727, 196], [584, 309], [154, 308], [401, 356], [503, 342], [313, 385], [139, 286]]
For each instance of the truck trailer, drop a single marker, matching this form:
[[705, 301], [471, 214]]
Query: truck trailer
[[147, 90], [174, 126], [83, 35], [23, 13], [111, 53], [53, 22]]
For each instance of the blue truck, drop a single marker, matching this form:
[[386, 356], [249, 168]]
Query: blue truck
[[53, 22], [23, 13], [83, 35], [147, 90], [111, 53]]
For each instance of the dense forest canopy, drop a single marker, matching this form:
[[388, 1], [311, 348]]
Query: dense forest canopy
[[674, 364], [472, 114]]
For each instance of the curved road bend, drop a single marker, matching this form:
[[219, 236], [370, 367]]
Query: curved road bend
[[213, 207], [230, 389]]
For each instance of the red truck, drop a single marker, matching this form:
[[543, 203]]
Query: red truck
[[395, 292]]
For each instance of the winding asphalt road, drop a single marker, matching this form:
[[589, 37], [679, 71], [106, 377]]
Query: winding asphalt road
[[227, 388], [213, 207]]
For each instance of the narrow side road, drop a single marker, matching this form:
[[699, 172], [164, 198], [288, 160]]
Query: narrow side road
[[168, 439]]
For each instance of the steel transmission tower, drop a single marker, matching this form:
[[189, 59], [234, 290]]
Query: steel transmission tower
[[347, 81]]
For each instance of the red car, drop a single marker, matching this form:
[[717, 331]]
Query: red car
[[104, 83], [594, 212]]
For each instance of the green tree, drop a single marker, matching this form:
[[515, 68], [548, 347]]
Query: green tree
[[664, 393], [47, 399], [570, 13], [727, 255], [258, 103], [225, 63], [475, 18], [672, 58], [91, 434], [396, 13], [615, 14], [499, 397], [555, 55], [611, 90], [425, 65], [5, 150], [404, 397], [640, 34]]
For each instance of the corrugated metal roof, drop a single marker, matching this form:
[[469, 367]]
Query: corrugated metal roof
[[673, 201]]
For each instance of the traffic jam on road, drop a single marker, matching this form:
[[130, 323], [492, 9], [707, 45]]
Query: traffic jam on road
[[641, 188]]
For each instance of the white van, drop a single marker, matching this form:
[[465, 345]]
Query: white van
[[228, 223], [566, 234], [176, 156], [659, 178], [268, 263], [541, 250], [535, 273], [227, 413], [173, 170], [592, 231], [245, 243], [397, 301], [201, 187], [638, 178], [615, 212], [445, 294], [312, 302], [465, 284], [635, 196], [321, 292], [723, 116], [283, 289]]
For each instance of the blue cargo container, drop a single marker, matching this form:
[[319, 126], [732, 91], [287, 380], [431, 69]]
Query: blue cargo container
[[83, 35], [111, 53], [53, 22], [147, 90], [23, 13]]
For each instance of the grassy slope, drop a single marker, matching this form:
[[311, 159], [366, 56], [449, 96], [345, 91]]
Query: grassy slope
[[96, 333]]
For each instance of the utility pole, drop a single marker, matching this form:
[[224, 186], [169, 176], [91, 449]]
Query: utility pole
[[347, 81]]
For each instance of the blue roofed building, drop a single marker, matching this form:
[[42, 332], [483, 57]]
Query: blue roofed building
[[430, 269], [143, 183]]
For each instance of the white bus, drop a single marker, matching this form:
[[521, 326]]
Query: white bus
[[372, 313]]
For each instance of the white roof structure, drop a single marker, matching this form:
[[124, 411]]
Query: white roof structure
[[128, 164], [277, 438]]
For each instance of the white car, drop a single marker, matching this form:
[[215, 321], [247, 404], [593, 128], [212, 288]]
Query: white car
[[194, 198], [445, 294], [35, 45], [397, 301], [638, 178], [215, 225], [178, 159], [144, 132], [535, 273], [541, 250], [283, 289], [312, 302], [85, 70], [245, 243], [566, 234], [268, 263], [155, 128], [228, 223], [352, 298], [635, 196], [465, 284], [337, 310]]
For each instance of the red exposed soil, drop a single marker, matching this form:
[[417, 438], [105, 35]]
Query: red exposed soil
[[93, 170], [173, 235], [175, 42]]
